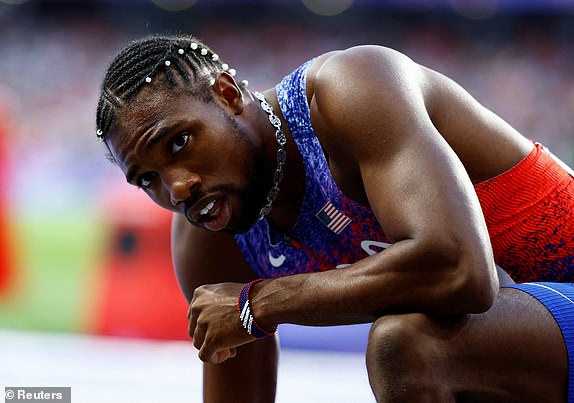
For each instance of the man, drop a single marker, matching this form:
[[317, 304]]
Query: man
[[365, 162]]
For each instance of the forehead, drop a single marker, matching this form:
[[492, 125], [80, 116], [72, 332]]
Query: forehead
[[150, 110], [151, 105]]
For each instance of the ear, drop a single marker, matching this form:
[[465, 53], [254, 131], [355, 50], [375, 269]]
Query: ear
[[227, 90]]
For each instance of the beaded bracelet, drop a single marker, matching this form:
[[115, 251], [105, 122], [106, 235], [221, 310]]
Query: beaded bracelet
[[246, 314]]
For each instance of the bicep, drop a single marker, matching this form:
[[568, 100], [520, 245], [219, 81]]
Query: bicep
[[376, 120], [205, 257], [423, 191]]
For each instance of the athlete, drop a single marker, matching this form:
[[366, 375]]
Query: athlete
[[364, 187]]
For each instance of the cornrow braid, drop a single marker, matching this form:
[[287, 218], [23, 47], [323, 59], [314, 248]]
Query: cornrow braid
[[138, 64]]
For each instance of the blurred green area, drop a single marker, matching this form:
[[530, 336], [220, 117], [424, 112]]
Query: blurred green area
[[53, 283]]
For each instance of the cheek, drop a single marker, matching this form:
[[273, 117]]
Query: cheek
[[241, 163], [237, 172]]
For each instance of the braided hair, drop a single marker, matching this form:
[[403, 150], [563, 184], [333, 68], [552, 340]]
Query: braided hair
[[139, 63]]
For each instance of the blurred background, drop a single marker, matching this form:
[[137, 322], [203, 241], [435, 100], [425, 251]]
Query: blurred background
[[82, 253]]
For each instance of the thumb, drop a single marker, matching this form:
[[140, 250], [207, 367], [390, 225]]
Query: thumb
[[223, 355]]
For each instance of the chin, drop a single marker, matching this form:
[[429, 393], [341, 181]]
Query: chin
[[239, 229], [242, 225]]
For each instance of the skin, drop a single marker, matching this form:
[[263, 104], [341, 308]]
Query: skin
[[483, 358], [391, 124]]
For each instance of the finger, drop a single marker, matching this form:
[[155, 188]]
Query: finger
[[193, 298], [223, 355], [208, 351], [198, 337], [207, 354], [192, 325]]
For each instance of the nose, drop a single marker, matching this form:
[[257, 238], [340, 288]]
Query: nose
[[180, 184]]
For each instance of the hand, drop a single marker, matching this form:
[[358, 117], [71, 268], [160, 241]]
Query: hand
[[214, 323]]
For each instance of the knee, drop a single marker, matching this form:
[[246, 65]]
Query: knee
[[402, 359], [396, 340]]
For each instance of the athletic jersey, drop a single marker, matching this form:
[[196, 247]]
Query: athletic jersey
[[333, 231]]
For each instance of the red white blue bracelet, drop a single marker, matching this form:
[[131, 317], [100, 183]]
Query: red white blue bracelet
[[246, 313]]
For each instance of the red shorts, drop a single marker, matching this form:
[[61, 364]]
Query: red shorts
[[529, 212]]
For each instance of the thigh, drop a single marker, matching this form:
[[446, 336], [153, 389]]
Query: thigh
[[515, 352]]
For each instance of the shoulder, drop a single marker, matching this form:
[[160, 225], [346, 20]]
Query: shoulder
[[365, 91], [362, 80], [205, 257], [360, 65]]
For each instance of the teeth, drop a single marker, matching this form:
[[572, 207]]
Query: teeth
[[206, 209]]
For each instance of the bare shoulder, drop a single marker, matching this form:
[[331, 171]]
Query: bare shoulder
[[205, 257], [382, 78], [365, 94], [360, 65]]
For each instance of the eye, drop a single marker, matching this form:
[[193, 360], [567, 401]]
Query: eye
[[178, 142], [145, 180]]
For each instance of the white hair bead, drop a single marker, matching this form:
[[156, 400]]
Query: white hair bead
[[203, 52], [167, 63], [215, 57], [224, 67], [148, 79], [193, 45], [245, 83], [232, 72], [180, 51]]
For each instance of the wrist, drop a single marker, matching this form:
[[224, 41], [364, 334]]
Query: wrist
[[246, 316]]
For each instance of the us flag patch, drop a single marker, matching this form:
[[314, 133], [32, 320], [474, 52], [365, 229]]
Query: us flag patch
[[333, 218]]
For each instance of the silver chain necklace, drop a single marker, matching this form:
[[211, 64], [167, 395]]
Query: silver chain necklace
[[281, 154]]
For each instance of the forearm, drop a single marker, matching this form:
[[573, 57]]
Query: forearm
[[249, 377], [400, 279]]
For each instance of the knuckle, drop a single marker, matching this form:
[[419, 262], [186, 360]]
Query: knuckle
[[195, 307], [195, 295], [202, 356]]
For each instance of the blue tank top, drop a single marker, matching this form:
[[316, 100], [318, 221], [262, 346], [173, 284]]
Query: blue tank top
[[331, 230]]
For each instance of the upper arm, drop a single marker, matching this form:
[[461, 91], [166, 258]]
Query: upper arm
[[374, 104], [370, 105], [205, 257]]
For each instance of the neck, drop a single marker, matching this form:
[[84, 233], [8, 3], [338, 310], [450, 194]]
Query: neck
[[287, 205], [281, 154]]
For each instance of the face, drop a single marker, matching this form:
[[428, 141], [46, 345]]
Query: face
[[193, 157]]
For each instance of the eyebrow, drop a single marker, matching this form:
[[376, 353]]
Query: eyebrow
[[158, 136], [153, 140]]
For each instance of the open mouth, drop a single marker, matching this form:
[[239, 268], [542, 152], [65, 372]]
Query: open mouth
[[207, 209], [214, 216]]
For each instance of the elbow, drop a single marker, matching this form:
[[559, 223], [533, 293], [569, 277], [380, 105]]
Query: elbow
[[474, 286], [477, 299], [465, 279], [485, 293], [461, 277]]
